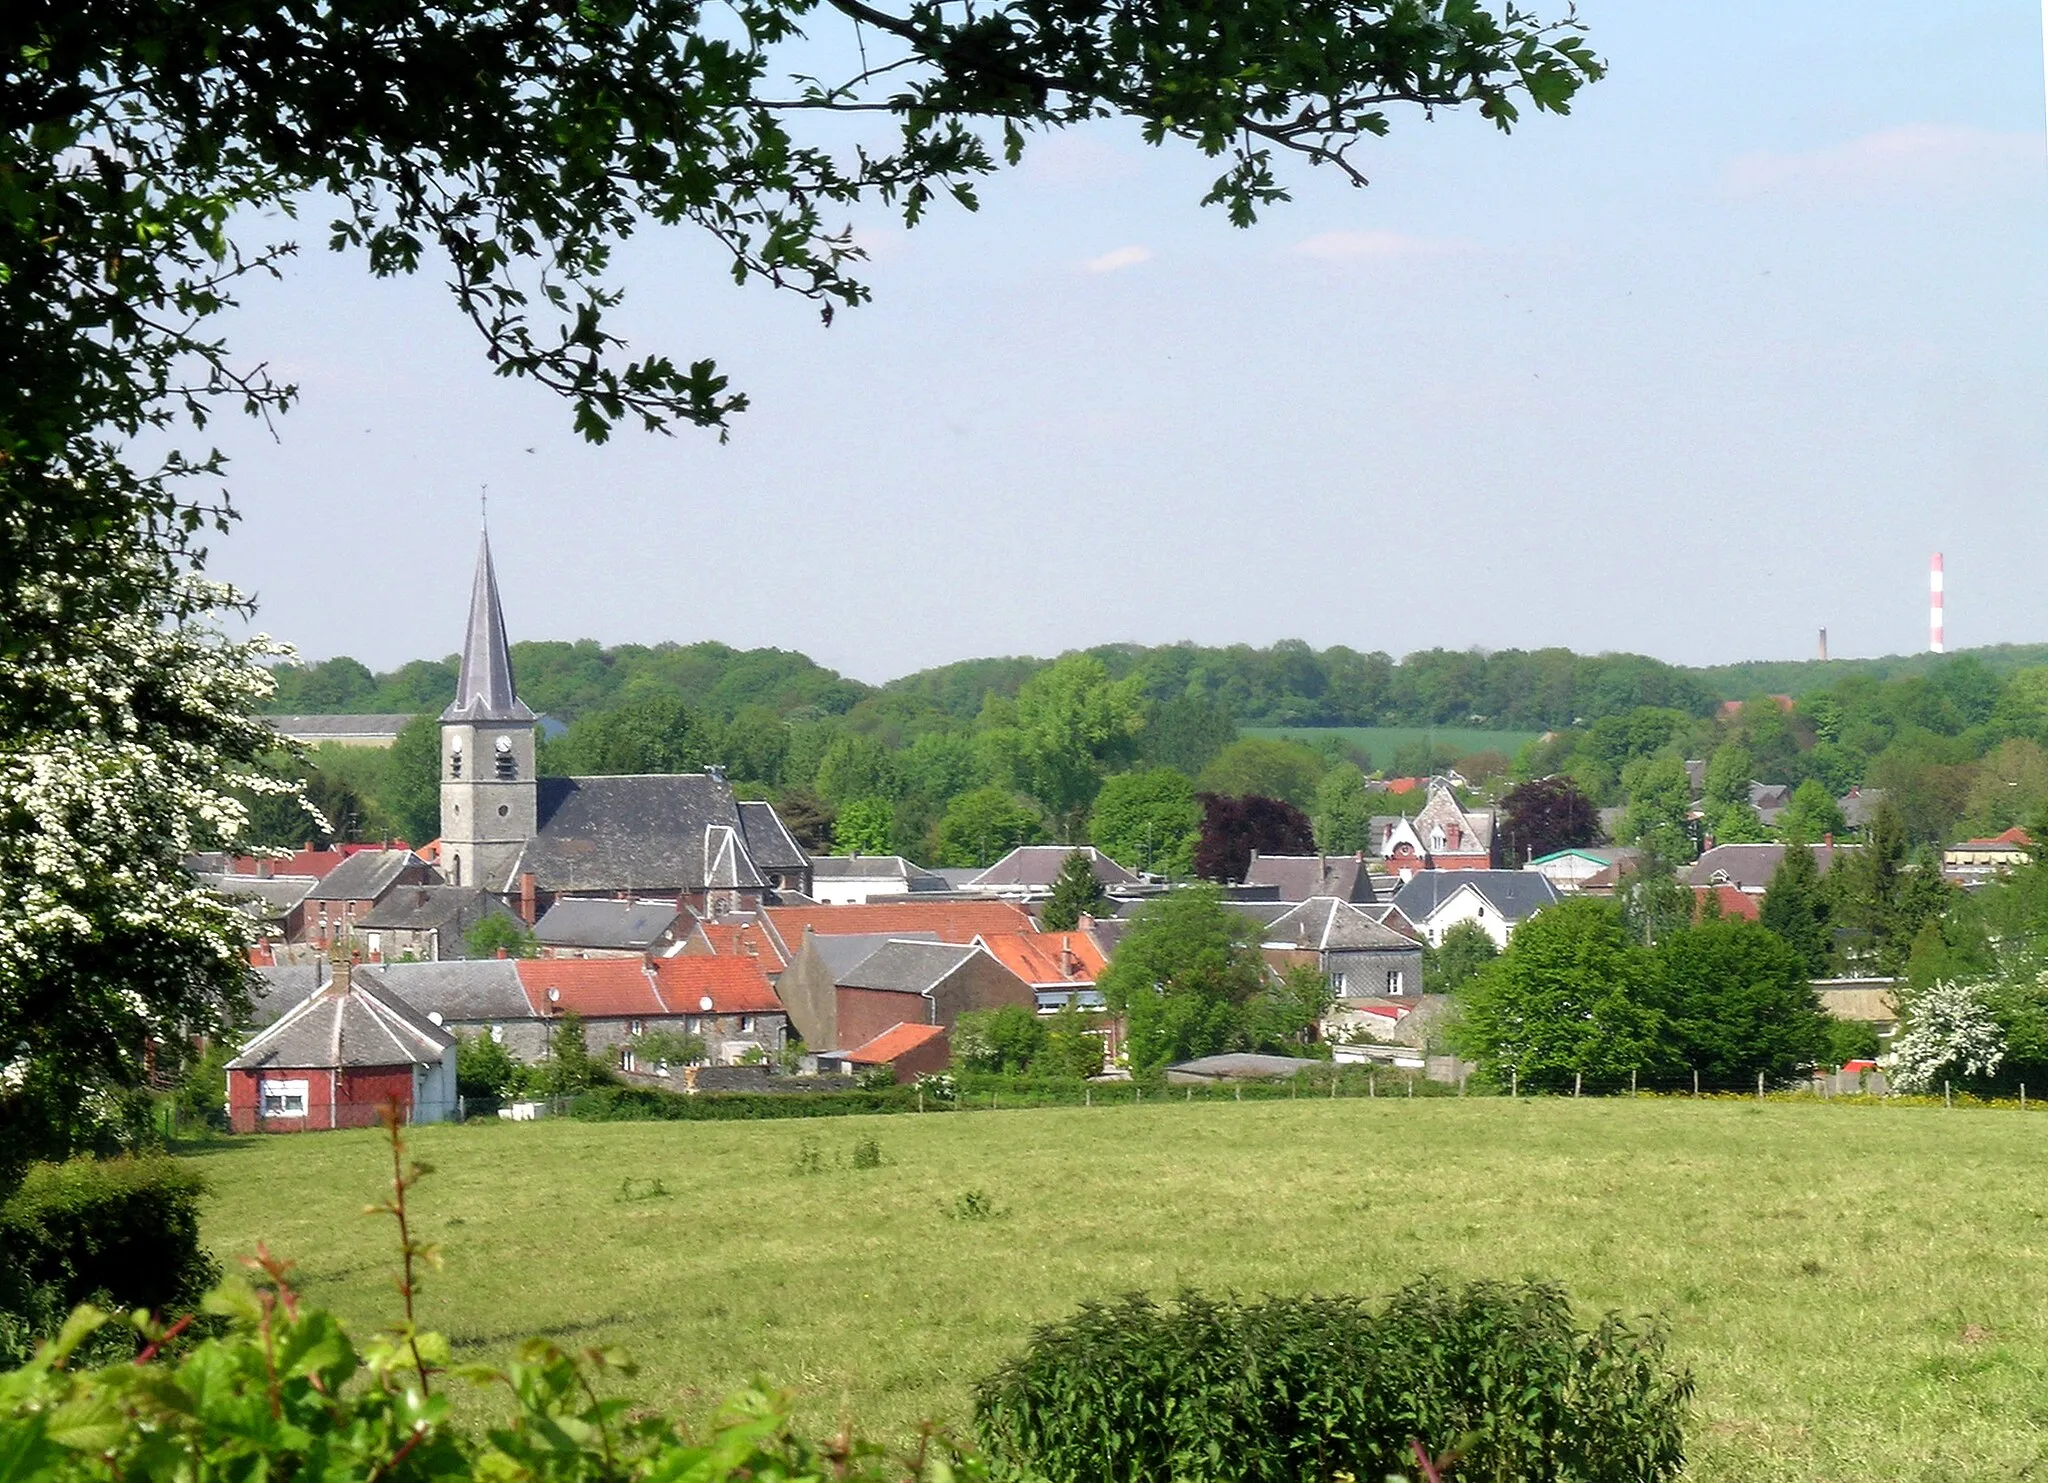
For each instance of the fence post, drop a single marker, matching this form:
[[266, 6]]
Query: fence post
[[1631, 1081], [1575, 1083], [1333, 1083], [1137, 1094], [920, 1099], [1759, 1086], [1695, 1081], [1191, 1092], [1088, 1096], [1946, 1099], [1411, 1083], [1240, 1091], [1463, 1077], [1372, 1083], [1514, 1082]]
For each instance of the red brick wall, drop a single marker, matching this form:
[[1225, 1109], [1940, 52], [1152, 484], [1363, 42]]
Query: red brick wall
[[934, 1055], [866, 1013], [349, 1099]]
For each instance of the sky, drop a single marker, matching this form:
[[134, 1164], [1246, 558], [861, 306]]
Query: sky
[[1714, 362]]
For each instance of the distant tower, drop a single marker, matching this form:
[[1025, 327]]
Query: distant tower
[[490, 799], [1823, 645], [1935, 644]]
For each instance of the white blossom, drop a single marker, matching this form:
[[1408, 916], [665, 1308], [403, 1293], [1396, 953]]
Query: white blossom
[[1951, 1036]]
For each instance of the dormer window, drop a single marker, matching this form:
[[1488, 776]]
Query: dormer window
[[455, 759], [1436, 839], [507, 766]]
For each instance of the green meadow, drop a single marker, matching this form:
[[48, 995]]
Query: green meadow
[[1381, 742], [1861, 1290]]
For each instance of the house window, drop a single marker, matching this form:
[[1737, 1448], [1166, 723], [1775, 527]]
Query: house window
[[746, 1024], [1436, 839], [636, 1027], [1397, 983], [498, 1033], [1337, 984], [692, 1025], [283, 1098]]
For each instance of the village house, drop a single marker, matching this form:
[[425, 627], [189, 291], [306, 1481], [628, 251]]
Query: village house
[[337, 1058], [1498, 900], [1027, 873], [482, 996], [425, 923], [1361, 958], [1976, 861], [1749, 867], [334, 908], [911, 1050], [534, 840], [1296, 878], [775, 934], [589, 927], [898, 982], [849, 880], [1444, 835], [726, 1002]]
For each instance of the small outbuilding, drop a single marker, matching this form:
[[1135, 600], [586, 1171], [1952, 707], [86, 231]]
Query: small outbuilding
[[1238, 1066], [337, 1058]]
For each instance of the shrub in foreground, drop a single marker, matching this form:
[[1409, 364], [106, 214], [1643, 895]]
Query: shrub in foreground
[[122, 1232], [1298, 1390]]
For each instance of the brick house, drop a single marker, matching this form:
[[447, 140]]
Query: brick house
[[337, 1058], [480, 996], [1444, 835], [898, 981], [351, 890], [727, 1002], [912, 1050]]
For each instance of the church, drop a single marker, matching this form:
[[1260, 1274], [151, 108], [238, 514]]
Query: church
[[533, 840]]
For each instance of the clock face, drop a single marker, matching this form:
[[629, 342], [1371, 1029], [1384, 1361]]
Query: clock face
[[504, 743]]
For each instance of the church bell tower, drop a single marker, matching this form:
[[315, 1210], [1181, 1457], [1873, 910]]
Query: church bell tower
[[489, 795]]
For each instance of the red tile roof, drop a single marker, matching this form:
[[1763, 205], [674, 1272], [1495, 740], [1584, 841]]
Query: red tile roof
[[1047, 959], [596, 988], [949, 921], [742, 940], [734, 985], [897, 1040], [1403, 785], [1735, 902]]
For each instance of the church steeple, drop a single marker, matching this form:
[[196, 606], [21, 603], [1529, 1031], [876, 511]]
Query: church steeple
[[484, 690]]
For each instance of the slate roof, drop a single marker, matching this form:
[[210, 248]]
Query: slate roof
[[424, 908], [316, 729], [364, 876], [478, 991], [1515, 894], [345, 1026], [1035, 866], [897, 1040], [907, 967], [842, 954], [281, 987], [1328, 924], [1751, 866], [620, 925], [768, 838], [1859, 806], [914, 877], [483, 689], [261, 896], [1300, 877], [679, 831]]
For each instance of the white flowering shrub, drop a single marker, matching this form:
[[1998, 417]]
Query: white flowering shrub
[[127, 722], [1950, 1036]]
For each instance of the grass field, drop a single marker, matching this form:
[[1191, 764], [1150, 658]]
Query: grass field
[[1861, 1290], [1381, 742]]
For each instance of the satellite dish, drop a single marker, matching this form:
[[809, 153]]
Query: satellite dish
[[554, 996], [705, 1004], [434, 1015]]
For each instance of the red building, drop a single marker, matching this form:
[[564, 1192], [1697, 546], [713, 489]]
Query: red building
[[337, 1059]]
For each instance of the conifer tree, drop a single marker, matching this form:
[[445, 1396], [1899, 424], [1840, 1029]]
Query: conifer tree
[[1796, 908], [1075, 894]]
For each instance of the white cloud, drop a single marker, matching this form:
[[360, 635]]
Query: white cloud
[[1911, 159], [1119, 258], [1377, 245]]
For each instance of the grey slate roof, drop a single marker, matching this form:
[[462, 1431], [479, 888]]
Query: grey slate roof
[[352, 1026], [382, 726], [1328, 924], [623, 925], [910, 967], [1239, 1066], [1751, 866], [424, 908], [262, 896], [280, 988], [842, 953], [1300, 877], [679, 832], [483, 689], [877, 867], [1515, 894], [481, 991], [363, 876], [768, 838], [1038, 865]]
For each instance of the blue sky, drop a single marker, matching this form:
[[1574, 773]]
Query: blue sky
[[1715, 361]]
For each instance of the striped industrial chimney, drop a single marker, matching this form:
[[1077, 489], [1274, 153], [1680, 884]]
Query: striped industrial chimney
[[1935, 645]]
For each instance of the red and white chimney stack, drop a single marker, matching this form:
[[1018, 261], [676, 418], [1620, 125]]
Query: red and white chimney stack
[[1935, 644]]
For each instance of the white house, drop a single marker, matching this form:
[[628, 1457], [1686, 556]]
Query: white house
[[1498, 900]]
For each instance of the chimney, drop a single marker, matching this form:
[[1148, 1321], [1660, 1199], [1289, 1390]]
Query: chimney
[[1936, 639], [1828, 840], [501, 952], [1823, 646], [526, 897]]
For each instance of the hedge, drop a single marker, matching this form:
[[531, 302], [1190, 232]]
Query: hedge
[[1312, 1389], [649, 1104]]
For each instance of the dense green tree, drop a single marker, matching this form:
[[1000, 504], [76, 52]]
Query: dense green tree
[[484, 1069], [1568, 998], [1183, 976], [1795, 907], [1461, 957], [1544, 815], [1148, 821], [1073, 725], [981, 827], [1737, 1001], [808, 817], [1812, 816], [2010, 786], [412, 780], [856, 767], [1729, 773], [654, 734], [1659, 799], [1010, 1037], [497, 933], [1072, 1045], [1075, 894], [1265, 767], [1186, 733], [1654, 901], [1879, 898], [753, 744], [865, 826], [1926, 781], [1285, 1017], [1736, 823], [1343, 810]]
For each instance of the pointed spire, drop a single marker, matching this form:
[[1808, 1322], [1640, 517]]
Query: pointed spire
[[484, 690]]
